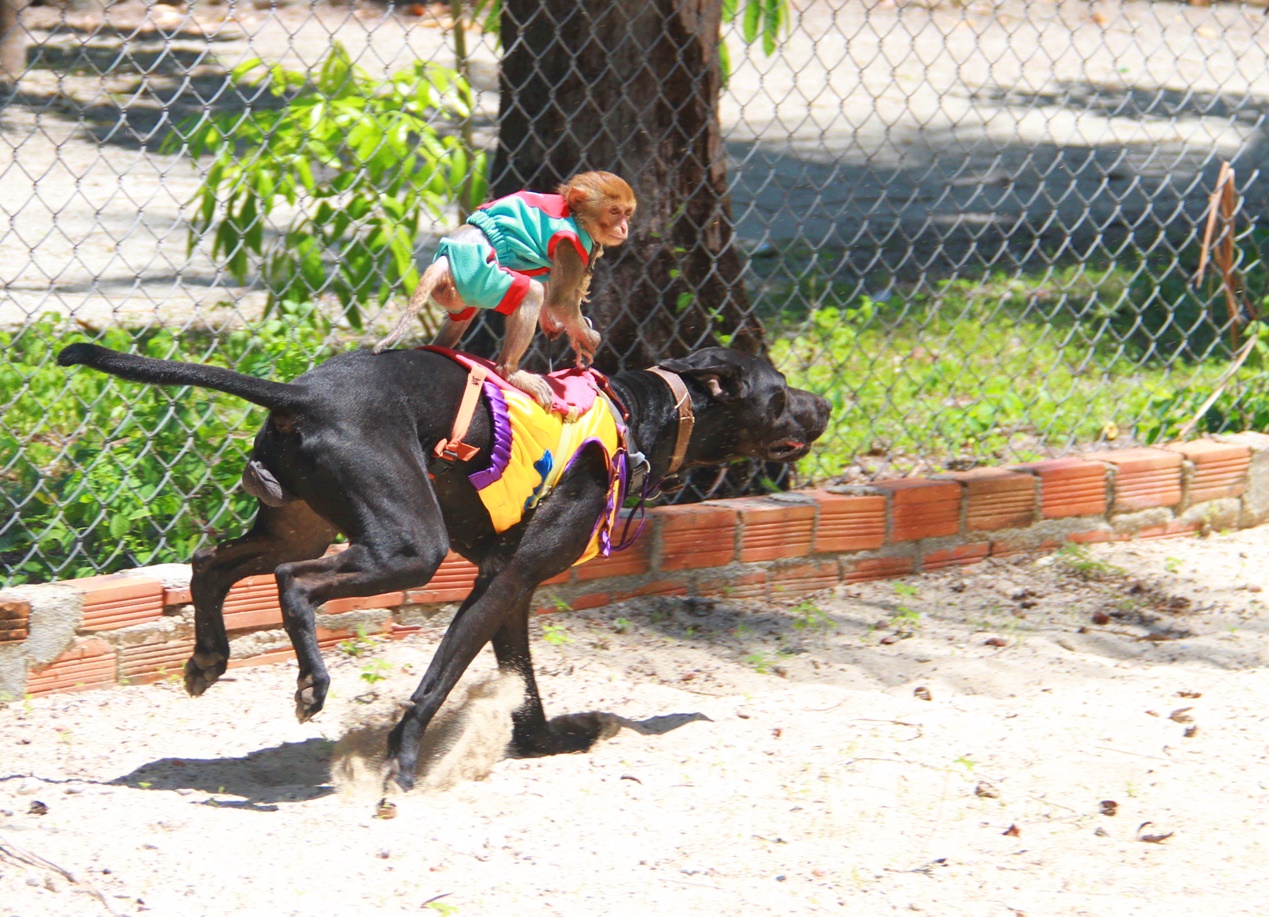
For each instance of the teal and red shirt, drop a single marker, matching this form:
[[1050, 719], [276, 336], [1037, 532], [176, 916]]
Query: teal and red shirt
[[524, 229]]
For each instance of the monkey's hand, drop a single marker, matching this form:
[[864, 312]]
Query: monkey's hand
[[551, 326], [585, 341], [532, 385]]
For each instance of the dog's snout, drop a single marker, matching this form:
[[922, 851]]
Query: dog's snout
[[812, 411]]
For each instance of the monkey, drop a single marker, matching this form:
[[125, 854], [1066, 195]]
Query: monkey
[[530, 257]]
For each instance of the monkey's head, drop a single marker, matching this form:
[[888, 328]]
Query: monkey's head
[[602, 203]]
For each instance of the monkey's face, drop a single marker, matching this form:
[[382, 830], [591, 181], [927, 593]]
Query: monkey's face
[[613, 222], [603, 204]]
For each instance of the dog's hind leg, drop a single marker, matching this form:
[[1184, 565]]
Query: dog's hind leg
[[279, 534], [359, 570]]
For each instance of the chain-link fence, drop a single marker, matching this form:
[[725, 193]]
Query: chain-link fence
[[974, 226]]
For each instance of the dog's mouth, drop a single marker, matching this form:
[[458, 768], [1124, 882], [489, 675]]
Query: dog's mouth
[[787, 451]]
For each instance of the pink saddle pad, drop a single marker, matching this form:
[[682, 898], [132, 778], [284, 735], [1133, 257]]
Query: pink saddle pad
[[573, 390]]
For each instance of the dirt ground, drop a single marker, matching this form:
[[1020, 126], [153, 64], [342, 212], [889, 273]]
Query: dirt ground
[[1078, 733]]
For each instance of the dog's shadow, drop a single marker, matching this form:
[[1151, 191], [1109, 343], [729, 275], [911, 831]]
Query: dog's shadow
[[585, 730], [290, 772], [464, 743], [471, 735]]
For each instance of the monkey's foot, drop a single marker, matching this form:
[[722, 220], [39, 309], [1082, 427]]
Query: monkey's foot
[[532, 385], [310, 695], [202, 670]]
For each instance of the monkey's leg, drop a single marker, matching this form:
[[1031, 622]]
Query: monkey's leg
[[452, 332], [520, 326]]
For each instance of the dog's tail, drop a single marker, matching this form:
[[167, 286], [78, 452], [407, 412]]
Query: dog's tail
[[272, 395]]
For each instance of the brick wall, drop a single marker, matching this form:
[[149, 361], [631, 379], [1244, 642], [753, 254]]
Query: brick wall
[[136, 626]]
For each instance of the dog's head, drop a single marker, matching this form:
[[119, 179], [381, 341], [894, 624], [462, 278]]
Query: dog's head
[[750, 409]]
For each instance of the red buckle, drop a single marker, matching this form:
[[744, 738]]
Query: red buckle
[[449, 452]]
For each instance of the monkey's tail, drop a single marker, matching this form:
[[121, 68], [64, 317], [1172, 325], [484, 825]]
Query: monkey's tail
[[427, 283], [272, 395]]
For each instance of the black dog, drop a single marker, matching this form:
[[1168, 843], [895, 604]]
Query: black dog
[[348, 448]]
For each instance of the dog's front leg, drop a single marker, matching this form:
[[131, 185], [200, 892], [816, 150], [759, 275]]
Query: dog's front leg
[[473, 626]]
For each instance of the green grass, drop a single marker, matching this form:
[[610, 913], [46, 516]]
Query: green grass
[[98, 474], [1010, 367]]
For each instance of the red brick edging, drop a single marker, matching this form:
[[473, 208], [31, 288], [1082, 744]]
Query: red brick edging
[[136, 626]]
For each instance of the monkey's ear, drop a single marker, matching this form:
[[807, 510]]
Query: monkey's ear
[[725, 379], [576, 198]]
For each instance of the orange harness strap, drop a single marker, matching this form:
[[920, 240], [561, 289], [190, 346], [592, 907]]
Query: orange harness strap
[[454, 447]]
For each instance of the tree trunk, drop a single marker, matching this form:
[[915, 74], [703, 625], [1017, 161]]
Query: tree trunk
[[632, 87], [12, 43]]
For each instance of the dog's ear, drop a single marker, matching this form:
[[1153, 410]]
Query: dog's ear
[[717, 368]]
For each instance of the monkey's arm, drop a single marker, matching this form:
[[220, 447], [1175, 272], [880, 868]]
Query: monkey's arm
[[520, 326], [564, 294]]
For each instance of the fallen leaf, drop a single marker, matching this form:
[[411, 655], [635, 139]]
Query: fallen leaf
[[922, 693], [986, 790], [1012, 831], [889, 639], [1189, 694], [1151, 838], [632, 777], [37, 808], [1100, 617], [1108, 807], [1101, 832], [1152, 713], [995, 641], [1191, 731], [1181, 715], [777, 731]]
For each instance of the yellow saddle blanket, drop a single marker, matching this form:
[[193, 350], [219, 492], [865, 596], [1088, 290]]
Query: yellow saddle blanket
[[532, 448]]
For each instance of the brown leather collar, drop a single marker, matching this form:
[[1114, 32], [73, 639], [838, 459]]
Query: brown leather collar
[[687, 420]]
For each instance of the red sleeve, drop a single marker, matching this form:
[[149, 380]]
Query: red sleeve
[[566, 235], [513, 297]]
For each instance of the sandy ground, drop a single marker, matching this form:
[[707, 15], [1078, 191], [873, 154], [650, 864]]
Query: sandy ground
[[1079, 733]]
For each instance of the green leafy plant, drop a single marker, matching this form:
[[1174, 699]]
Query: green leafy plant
[[808, 616], [622, 625], [761, 662], [555, 634], [374, 671], [358, 162], [359, 644], [905, 620], [97, 473], [1080, 561]]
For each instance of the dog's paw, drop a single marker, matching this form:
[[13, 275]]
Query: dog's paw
[[532, 385], [310, 695], [202, 670]]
